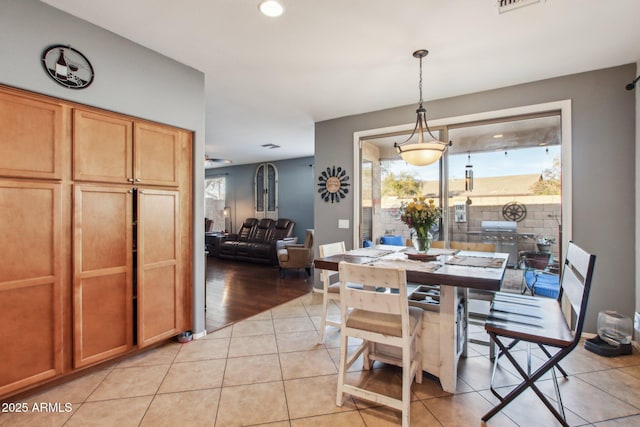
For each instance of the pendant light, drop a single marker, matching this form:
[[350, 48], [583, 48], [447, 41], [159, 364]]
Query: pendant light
[[421, 153]]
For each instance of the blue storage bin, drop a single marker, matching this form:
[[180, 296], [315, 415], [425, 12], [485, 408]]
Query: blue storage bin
[[392, 240], [544, 284]]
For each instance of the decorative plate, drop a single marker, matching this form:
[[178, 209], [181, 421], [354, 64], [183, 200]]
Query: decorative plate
[[67, 66]]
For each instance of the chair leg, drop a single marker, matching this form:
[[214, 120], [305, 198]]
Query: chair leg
[[342, 368], [323, 319], [529, 382], [406, 387], [558, 397]]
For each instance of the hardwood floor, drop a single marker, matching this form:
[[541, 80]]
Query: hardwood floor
[[238, 290]]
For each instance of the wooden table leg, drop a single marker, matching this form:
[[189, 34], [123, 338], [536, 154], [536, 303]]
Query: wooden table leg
[[448, 338]]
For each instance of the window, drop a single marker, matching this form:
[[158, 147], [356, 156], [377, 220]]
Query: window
[[215, 202], [266, 191]]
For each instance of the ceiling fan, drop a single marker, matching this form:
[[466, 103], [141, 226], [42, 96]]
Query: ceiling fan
[[211, 162]]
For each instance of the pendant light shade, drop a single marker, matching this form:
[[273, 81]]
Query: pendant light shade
[[421, 153]]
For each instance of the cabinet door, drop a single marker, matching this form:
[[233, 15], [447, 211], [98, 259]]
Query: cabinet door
[[103, 267], [31, 133], [102, 147], [156, 154], [30, 283], [159, 284]]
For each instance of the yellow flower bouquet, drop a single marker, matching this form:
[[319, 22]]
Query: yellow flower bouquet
[[421, 214]]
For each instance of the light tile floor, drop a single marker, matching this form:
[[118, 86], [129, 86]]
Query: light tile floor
[[269, 370]]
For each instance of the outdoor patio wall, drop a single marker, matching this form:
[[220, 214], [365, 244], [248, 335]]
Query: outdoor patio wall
[[540, 221], [129, 79], [603, 162]]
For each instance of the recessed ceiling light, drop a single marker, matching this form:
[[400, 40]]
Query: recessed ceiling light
[[496, 136], [271, 8]]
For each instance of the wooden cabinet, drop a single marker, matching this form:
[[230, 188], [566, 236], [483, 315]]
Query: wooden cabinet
[[31, 299], [156, 154], [96, 236], [106, 150], [31, 133], [103, 270], [159, 289], [102, 147]]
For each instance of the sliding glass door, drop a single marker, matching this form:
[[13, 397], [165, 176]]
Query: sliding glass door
[[499, 182]]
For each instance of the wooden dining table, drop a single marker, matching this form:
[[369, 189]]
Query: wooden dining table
[[439, 285]]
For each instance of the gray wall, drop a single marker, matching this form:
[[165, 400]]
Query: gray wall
[[295, 178], [603, 161], [129, 79]]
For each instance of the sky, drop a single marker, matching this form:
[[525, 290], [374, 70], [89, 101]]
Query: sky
[[488, 164]]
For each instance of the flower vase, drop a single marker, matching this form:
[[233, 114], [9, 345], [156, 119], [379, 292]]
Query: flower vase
[[422, 243]]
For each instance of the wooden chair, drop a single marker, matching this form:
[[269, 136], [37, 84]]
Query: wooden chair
[[473, 246], [379, 318], [541, 321], [439, 244], [330, 291]]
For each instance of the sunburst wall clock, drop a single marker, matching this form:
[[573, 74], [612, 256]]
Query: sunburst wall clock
[[333, 184]]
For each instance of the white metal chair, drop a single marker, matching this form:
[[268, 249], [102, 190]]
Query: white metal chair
[[329, 291], [381, 320]]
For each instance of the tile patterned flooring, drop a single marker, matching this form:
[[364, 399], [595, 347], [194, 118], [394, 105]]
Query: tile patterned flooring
[[269, 371]]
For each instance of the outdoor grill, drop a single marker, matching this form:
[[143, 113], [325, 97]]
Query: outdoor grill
[[504, 235]]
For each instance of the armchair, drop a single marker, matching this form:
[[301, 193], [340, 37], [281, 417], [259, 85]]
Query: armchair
[[296, 256]]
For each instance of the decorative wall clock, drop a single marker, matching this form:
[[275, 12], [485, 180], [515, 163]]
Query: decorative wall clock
[[67, 66], [333, 183]]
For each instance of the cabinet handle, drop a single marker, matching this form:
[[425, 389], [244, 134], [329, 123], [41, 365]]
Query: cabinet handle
[[138, 180], [130, 179], [130, 191]]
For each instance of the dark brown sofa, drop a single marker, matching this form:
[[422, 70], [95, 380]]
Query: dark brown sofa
[[257, 240]]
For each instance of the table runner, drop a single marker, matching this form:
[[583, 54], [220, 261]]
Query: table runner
[[369, 252], [475, 261], [407, 264]]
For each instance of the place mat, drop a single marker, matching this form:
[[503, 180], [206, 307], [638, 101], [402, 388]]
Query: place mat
[[369, 252], [406, 264], [475, 261]]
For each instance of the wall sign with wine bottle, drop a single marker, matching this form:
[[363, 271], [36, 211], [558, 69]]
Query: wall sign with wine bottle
[[67, 66]]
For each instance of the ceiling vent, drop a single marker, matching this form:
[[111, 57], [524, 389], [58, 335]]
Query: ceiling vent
[[507, 5]]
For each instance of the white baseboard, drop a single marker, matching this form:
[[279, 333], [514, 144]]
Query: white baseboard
[[200, 335]]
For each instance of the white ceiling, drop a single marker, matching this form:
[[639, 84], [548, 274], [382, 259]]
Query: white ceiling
[[268, 80]]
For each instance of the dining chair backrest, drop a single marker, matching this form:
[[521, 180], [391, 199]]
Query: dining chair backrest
[[439, 244], [575, 282], [329, 249], [324, 251], [473, 246], [366, 297]]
